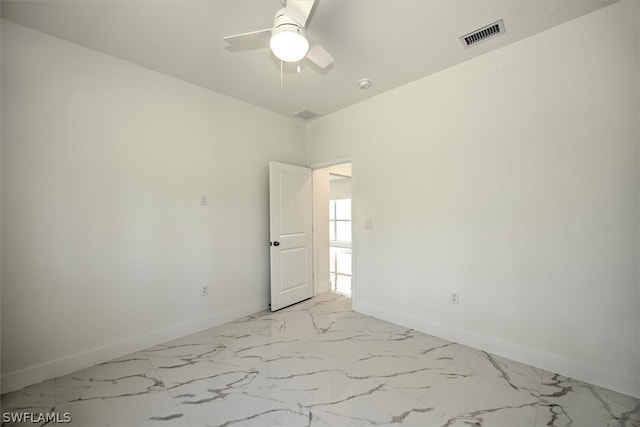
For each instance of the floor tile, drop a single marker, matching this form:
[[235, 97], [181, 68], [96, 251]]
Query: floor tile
[[474, 400], [361, 400], [568, 402], [240, 407], [167, 418], [127, 376], [469, 362], [124, 391], [36, 399]]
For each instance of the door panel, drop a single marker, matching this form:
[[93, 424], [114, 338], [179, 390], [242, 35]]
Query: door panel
[[290, 209], [293, 263], [292, 203]]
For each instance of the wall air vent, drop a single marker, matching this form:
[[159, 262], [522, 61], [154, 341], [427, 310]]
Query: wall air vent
[[485, 33], [306, 115]]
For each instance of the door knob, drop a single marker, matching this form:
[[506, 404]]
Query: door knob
[[276, 243]]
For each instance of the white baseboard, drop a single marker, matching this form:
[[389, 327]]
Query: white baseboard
[[598, 375], [16, 380], [321, 288]]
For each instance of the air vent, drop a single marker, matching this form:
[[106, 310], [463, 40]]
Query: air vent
[[485, 33], [306, 115]]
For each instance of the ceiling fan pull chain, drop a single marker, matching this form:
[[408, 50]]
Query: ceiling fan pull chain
[[281, 76]]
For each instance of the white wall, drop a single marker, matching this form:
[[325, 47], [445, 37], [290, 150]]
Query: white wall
[[105, 246], [513, 180]]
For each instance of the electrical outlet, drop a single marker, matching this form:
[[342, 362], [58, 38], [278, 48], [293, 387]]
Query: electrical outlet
[[204, 291], [454, 298], [204, 200]]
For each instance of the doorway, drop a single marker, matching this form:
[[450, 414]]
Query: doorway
[[333, 228]]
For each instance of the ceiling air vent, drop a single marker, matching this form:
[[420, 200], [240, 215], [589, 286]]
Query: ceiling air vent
[[306, 115], [482, 34]]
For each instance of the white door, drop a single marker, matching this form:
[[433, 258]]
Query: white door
[[290, 209]]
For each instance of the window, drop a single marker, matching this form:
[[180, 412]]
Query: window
[[340, 220], [340, 269]]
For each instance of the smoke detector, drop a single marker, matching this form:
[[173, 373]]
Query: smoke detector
[[365, 83]]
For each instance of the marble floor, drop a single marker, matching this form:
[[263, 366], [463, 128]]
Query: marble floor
[[318, 363]]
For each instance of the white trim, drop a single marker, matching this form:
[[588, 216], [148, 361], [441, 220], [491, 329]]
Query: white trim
[[339, 244], [582, 371], [18, 379], [322, 288], [328, 163], [354, 211]]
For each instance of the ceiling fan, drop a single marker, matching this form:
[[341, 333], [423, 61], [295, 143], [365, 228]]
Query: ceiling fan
[[288, 38]]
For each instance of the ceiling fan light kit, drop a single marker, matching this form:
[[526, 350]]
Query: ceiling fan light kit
[[288, 39]]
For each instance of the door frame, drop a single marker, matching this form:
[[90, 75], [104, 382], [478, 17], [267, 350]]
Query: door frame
[[354, 218]]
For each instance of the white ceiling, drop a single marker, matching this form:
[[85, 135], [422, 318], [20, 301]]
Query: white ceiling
[[392, 42]]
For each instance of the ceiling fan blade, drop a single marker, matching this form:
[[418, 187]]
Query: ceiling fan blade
[[260, 36], [318, 55], [299, 10]]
